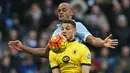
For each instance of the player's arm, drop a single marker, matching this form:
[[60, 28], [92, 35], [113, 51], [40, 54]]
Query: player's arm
[[98, 42], [85, 60], [86, 69], [56, 70], [86, 35], [34, 51], [95, 41], [44, 52]]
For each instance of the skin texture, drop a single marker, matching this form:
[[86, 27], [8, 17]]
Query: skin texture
[[65, 12]]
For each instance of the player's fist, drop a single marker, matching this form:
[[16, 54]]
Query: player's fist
[[15, 45]]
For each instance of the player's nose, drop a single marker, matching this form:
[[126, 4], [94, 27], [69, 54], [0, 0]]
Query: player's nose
[[64, 31]]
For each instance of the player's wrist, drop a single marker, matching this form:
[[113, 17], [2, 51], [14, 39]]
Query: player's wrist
[[103, 44], [21, 48]]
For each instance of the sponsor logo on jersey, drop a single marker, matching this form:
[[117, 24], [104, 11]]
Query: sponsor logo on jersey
[[89, 56], [66, 59], [74, 51]]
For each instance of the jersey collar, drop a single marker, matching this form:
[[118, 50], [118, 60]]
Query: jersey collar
[[73, 40]]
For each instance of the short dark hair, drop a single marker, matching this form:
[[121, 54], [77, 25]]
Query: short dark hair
[[72, 22]]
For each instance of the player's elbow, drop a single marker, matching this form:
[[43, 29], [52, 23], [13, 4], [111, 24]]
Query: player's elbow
[[91, 40], [97, 42]]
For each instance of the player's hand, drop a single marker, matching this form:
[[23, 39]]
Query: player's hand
[[15, 45], [110, 43]]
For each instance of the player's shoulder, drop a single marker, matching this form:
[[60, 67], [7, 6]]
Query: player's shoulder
[[51, 53], [82, 46], [78, 23]]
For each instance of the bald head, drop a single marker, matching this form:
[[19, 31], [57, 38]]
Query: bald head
[[65, 5], [65, 11]]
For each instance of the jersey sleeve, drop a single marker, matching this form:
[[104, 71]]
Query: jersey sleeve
[[52, 60], [82, 31], [85, 56], [57, 31]]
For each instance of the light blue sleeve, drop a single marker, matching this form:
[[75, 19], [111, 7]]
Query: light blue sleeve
[[81, 31], [57, 31]]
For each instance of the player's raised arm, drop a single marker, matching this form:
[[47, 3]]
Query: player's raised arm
[[34, 51], [95, 41], [98, 42]]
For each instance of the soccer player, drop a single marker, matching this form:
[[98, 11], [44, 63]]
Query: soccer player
[[65, 12], [76, 58]]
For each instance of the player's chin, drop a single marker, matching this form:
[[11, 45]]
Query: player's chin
[[61, 18], [65, 36]]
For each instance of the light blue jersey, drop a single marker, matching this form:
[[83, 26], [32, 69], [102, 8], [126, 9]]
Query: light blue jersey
[[81, 32]]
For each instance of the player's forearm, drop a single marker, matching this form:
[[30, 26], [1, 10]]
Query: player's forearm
[[35, 51], [86, 69], [97, 42], [56, 71]]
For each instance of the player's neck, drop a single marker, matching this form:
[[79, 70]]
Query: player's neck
[[67, 19], [71, 40]]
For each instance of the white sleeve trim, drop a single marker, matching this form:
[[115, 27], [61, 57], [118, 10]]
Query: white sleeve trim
[[86, 36]]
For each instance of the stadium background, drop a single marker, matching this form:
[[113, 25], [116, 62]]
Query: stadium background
[[33, 22]]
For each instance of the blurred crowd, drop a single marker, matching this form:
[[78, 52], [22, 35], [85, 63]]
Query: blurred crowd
[[33, 22]]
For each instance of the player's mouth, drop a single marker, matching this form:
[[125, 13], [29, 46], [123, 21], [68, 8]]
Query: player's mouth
[[64, 36], [61, 16]]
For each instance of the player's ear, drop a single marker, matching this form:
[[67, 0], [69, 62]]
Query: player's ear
[[74, 30], [72, 12]]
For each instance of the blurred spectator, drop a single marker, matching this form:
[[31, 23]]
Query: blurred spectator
[[31, 39], [80, 8], [45, 36], [0, 36], [44, 65], [1, 55], [120, 31], [53, 25], [5, 66], [104, 67], [49, 13], [126, 8], [92, 24], [8, 23], [15, 61], [28, 65], [13, 35], [42, 43], [116, 10], [124, 59], [5, 52], [105, 31], [13, 71], [17, 26], [34, 18], [102, 20], [105, 58], [95, 63]]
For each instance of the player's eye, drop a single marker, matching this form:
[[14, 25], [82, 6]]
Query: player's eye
[[62, 29], [64, 9], [68, 28], [59, 10]]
